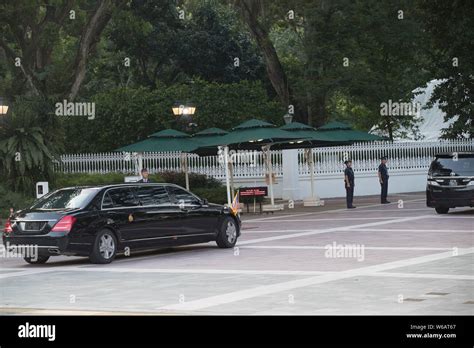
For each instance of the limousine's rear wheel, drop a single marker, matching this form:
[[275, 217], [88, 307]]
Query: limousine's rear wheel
[[227, 236], [442, 210], [105, 247], [38, 260]]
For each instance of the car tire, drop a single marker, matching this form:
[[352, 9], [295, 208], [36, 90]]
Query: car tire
[[40, 259], [104, 248], [228, 233], [442, 210]]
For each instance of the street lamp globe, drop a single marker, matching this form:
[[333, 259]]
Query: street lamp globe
[[288, 118]]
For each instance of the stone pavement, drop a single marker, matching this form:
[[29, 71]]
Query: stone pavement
[[400, 258]]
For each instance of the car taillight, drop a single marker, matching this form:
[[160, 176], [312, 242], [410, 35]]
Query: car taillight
[[8, 227], [65, 224]]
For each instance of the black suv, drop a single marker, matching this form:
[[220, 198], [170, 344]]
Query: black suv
[[101, 221], [451, 182]]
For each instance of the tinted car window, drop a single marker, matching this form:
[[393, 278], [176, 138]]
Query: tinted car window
[[66, 199], [122, 197], [152, 195], [180, 196], [447, 166], [107, 203]]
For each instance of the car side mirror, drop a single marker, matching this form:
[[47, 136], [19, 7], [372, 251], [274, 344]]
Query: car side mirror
[[204, 201]]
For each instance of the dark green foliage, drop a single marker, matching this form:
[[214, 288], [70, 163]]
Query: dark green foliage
[[125, 116], [11, 199], [201, 185], [30, 138], [196, 181], [83, 179], [216, 195], [450, 25]]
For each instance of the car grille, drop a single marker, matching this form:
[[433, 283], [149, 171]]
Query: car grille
[[453, 182]]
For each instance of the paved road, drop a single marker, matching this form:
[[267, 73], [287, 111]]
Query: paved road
[[376, 259]]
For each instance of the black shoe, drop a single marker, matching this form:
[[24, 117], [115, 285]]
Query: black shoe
[[351, 207], [386, 202]]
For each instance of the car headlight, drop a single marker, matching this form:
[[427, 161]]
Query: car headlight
[[433, 183], [470, 183]]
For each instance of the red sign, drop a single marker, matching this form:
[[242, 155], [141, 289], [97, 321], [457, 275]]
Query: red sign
[[253, 191]]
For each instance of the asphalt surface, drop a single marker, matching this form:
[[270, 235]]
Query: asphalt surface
[[399, 258]]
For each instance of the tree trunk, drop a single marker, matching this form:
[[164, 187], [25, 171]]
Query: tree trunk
[[274, 68], [89, 38]]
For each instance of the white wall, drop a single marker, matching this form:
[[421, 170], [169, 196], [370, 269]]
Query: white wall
[[328, 186]]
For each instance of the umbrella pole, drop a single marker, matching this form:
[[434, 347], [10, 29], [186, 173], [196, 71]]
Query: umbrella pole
[[270, 175], [231, 174], [313, 201], [268, 160], [226, 167], [311, 168], [185, 165]]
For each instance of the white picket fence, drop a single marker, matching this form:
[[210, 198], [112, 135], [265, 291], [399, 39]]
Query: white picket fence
[[327, 160]]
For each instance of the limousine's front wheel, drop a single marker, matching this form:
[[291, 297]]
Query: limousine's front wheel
[[105, 247], [227, 236]]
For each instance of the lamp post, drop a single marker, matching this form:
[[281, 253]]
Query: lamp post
[[184, 113], [3, 107]]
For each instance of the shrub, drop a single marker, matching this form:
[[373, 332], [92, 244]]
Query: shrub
[[83, 179], [201, 185], [10, 199], [213, 195], [196, 181]]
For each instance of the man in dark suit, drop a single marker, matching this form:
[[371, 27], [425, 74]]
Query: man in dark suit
[[383, 179], [349, 183], [144, 176]]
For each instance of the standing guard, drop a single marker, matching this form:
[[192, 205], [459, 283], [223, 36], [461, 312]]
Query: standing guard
[[383, 179], [349, 183]]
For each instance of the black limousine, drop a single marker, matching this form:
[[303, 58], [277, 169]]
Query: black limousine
[[101, 221]]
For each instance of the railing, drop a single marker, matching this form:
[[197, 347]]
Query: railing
[[327, 160], [366, 156]]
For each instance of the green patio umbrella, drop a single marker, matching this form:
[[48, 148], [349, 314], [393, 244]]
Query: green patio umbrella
[[253, 134], [336, 133], [208, 136], [340, 131], [313, 138], [168, 140], [213, 131]]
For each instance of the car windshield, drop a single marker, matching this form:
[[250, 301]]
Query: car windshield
[[447, 166], [66, 199]]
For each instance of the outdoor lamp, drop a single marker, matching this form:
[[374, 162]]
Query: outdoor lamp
[[288, 118], [180, 109], [3, 107]]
